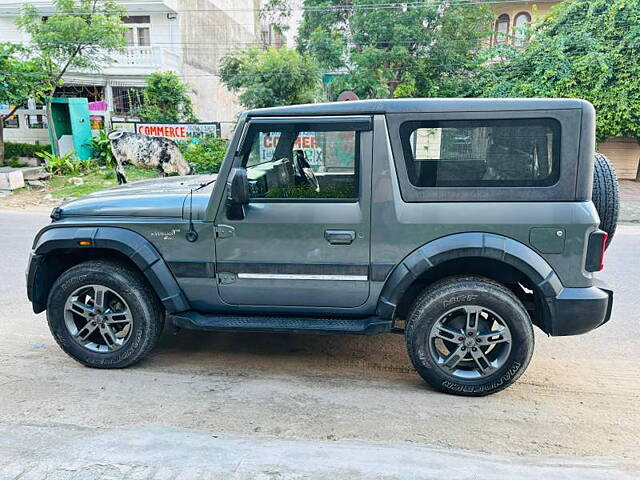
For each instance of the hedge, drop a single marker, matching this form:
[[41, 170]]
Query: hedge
[[15, 150]]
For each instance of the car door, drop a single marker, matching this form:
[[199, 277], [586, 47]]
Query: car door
[[304, 238]]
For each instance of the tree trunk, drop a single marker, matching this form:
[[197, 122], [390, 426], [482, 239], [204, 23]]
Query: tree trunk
[[1, 138]]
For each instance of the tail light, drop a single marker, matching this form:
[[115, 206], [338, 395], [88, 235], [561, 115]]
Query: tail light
[[595, 251]]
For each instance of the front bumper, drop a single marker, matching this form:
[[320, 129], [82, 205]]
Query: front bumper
[[579, 310]]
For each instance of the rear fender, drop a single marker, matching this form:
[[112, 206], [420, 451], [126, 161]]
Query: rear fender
[[467, 245]]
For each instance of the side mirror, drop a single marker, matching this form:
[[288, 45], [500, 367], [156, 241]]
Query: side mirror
[[238, 194]]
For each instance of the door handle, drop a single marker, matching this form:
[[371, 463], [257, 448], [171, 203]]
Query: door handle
[[340, 237]]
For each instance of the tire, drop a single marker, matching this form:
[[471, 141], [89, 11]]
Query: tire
[[132, 317], [444, 304], [605, 196]]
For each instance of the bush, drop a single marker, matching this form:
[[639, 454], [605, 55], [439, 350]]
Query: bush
[[204, 154], [67, 164], [101, 146], [15, 150]]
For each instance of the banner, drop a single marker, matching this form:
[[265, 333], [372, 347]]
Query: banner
[[179, 131]]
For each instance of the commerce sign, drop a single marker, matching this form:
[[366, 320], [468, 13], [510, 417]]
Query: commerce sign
[[178, 131]]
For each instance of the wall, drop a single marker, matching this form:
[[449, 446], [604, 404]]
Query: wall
[[624, 152], [209, 30]]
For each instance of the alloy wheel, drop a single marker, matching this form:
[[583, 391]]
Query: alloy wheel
[[98, 318], [470, 342]]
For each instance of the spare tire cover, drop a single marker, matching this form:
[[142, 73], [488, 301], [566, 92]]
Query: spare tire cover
[[605, 195]]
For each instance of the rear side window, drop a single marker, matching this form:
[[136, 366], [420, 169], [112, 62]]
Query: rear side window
[[482, 153]]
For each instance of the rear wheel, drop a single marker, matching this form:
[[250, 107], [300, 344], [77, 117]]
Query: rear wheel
[[104, 314], [469, 336]]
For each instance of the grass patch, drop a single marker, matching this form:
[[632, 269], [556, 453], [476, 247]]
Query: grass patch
[[94, 181]]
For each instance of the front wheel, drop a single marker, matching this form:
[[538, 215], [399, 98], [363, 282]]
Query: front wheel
[[469, 336], [104, 314]]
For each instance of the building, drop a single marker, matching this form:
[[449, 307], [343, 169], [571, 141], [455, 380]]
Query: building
[[512, 17], [188, 37]]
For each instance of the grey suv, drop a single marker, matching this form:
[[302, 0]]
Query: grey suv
[[459, 223]]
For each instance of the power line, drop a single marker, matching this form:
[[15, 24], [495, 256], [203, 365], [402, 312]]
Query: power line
[[322, 8]]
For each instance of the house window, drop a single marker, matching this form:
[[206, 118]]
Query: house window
[[12, 121], [127, 100], [138, 33], [520, 28], [37, 121], [502, 29]]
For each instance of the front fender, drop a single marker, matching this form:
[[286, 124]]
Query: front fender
[[463, 245], [133, 245]]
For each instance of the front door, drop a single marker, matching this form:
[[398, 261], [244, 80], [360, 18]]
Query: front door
[[304, 240]]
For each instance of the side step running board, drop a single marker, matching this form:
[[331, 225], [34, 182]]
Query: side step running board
[[203, 321]]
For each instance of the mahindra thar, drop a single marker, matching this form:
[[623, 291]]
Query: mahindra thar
[[459, 223]]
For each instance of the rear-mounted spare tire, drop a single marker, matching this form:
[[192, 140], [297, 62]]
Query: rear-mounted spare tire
[[605, 194]]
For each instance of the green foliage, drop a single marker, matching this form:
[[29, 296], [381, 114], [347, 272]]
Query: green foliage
[[166, 99], [583, 49], [305, 191], [81, 34], [15, 150], [101, 147], [66, 164], [277, 13], [204, 154], [21, 75], [272, 77], [414, 49]]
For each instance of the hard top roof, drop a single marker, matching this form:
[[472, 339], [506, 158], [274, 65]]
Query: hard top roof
[[423, 105]]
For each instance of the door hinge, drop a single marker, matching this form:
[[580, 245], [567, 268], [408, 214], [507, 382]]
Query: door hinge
[[224, 231], [225, 278]]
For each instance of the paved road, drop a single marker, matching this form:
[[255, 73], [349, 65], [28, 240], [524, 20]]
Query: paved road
[[208, 405]]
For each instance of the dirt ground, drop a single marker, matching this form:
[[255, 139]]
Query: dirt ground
[[579, 399]]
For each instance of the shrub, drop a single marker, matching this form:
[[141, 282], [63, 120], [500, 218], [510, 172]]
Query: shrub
[[101, 146], [67, 164], [204, 154], [15, 150]]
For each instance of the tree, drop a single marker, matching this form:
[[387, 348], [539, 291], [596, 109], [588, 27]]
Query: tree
[[584, 49], [166, 99], [267, 78], [21, 78], [395, 50], [81, 34]]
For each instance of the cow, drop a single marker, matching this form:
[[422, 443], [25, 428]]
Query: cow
[[146, 152]]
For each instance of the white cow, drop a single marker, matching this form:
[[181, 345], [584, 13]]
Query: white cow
[[147, 152]]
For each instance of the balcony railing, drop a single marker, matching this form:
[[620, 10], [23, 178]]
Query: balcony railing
[[139, 57]]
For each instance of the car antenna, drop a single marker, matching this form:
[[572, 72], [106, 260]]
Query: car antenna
[[192, 235]]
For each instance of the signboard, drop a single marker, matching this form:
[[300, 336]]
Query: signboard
[[428, 143], [175, 131], [124, 126], [178, 131], [306, 141]]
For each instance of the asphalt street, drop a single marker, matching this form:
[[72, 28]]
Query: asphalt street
[[208, 405]]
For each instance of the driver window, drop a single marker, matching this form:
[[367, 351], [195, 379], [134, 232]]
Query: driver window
[[292, 164]]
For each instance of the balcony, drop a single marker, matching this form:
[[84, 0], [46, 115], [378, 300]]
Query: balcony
[[139, 56], [143, 61]]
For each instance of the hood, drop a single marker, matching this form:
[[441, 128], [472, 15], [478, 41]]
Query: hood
[[162, 197]]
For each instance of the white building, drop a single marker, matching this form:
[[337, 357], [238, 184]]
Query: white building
[[188, 37]]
